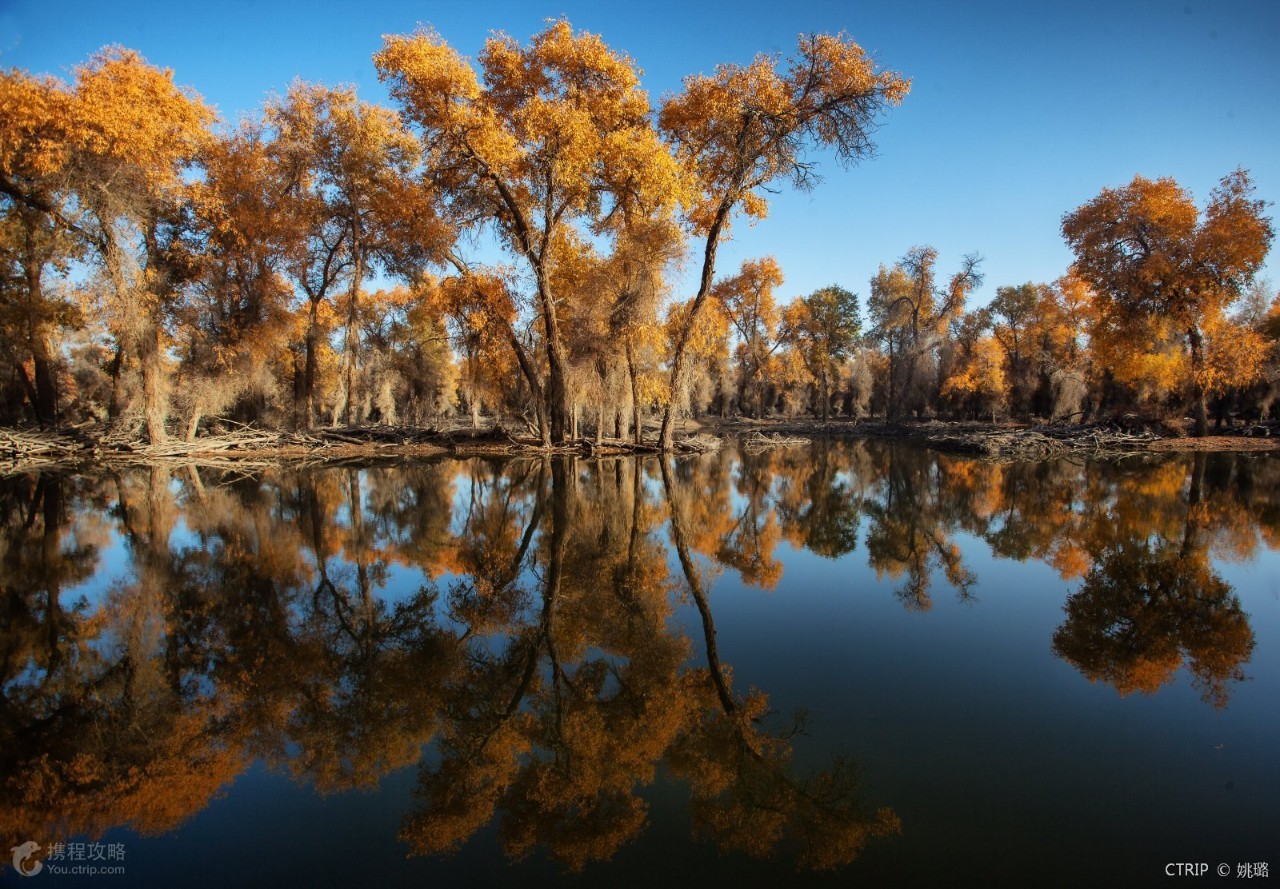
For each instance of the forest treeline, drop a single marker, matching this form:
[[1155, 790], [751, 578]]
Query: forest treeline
[[163, 274]]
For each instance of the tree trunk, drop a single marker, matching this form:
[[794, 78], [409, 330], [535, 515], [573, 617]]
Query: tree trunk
[[46, 400], [826, 397], [637, 429], [155, 406], [28, 388], [153, 396], [544, 425], [299, 395], [113, 404], [1199, 405], [309, 372], [891, 405], [557, 391], [46, 405], [907, 382], [666, 438], [693, 579], [535, 387], [350, 342]]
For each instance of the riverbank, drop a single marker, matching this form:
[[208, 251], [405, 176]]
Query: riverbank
[[248, 447], [1016, 441], [22, 450]]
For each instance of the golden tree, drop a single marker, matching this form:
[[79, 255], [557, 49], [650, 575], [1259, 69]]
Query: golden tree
[[979, 376], [1040, 329], [557, 137], [1063, 320], [34, 231], [351, 165], [708, 351], [480, 311], [135, 135], [911, 315], [747, 299], [634, 277], [234, 322], [1148, 255], [823, 327], [746, 127]]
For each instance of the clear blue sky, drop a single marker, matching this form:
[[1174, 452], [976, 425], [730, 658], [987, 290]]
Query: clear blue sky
[[1019, 112]]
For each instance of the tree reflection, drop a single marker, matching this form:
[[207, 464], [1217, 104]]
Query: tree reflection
[[750, 530], [1150, 602], [910, 534], [512, 627], [99, 724], [560, 716], [557, 733], [745, 795], [818, 506]]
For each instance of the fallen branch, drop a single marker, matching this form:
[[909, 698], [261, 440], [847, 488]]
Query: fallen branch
[[758, 441]]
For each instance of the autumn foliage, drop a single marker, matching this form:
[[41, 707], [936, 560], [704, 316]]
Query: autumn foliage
[[162, 273]]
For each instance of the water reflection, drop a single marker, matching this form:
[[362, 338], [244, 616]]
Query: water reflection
[[517, 621], [1149, 602]]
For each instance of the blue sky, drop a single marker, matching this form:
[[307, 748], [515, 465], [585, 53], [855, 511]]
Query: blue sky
[[1019, 112]]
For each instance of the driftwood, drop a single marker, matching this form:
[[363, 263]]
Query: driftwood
[[35, 450], [1044, 441], [250, 447], [758, 441], [245, 446], [702, 443]]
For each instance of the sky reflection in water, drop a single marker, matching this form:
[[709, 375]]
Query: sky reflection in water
[[854, 660]]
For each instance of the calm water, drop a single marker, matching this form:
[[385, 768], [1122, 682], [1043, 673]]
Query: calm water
[[850, 664]]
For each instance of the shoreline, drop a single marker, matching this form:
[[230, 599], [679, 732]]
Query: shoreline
[[1025, 441], [27, 450]]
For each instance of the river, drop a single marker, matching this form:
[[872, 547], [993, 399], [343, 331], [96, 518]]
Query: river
[[848, 663]]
